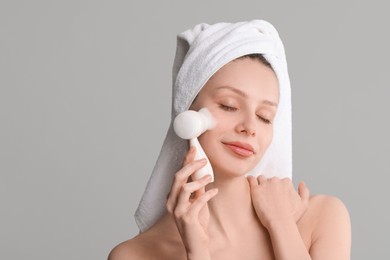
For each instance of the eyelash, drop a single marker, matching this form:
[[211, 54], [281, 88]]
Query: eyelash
[[232, 109], [227, 108]]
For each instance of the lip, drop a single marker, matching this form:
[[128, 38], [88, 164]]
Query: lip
[[242, 149]]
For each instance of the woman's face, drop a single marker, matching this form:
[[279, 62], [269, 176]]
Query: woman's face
[[242, 97]]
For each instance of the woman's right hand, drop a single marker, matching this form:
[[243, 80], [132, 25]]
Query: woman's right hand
[[187, 203]]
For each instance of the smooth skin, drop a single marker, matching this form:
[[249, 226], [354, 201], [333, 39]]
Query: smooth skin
[[239, 217]]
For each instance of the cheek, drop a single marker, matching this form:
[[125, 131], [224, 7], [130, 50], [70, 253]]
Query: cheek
[[207, 138], [222, 127], [206, 141], [218, 114], [210, 139], [265, 140]]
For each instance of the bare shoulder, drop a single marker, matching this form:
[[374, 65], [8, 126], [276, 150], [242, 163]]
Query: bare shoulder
[[326, 207], [326, 213], [130, 249], [326, 202], [148, 245], [323, 208], [156, 243], [331, 228]]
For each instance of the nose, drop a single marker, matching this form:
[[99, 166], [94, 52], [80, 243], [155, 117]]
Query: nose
[[247, 126]]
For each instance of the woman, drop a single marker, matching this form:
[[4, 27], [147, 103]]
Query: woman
[[251, 209]]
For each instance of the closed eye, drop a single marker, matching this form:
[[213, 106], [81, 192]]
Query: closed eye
[[265, 120], [227, 108]]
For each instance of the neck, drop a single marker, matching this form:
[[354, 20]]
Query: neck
[[231, 206]]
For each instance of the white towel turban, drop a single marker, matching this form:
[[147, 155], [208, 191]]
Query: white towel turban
[[201, 51]]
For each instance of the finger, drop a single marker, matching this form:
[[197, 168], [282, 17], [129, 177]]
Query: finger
[[202, 190], [252, 181], [181, 177], [188, 188], [197, 206], [303, 192], [183, 174], [190, 156], [261, 179]]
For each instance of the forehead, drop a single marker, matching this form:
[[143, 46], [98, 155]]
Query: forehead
[[248, 76]]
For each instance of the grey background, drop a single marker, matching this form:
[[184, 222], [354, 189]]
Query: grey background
[[85, 90]]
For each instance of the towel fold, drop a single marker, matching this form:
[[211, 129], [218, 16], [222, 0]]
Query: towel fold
[[202, 51]]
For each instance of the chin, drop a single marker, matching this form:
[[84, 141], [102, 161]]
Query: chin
[[232, 166]]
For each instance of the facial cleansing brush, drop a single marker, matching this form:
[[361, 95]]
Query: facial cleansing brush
[[190, 125]]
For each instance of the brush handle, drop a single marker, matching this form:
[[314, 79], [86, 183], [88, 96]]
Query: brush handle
[[207, 169]]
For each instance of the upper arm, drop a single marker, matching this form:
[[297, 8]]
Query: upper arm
[[331, 238]]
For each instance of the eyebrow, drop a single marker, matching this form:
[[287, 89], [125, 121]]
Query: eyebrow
[[245, 95]]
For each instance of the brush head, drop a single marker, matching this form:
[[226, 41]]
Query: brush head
[[191, 124]]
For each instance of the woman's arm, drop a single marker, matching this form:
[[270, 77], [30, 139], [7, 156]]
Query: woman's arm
[[287, 242], [331, 238], [279, 207], [187, 204]]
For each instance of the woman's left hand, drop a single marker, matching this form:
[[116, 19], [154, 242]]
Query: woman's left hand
[[276, 200]]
